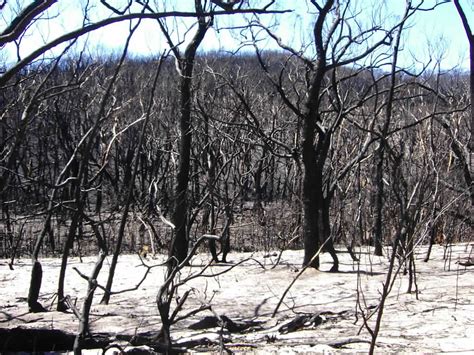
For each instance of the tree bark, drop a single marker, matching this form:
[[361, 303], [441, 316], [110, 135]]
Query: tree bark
[[180, 242], [311, 214], [379, 195], [312, 179]]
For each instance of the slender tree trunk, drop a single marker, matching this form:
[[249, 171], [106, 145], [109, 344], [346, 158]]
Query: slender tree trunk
[[433, 233], [226, 232], [379, 205], [210, 210], [91, 287], [62, 306], [77, 171], [37, 270], [118, 244], [180, 242]]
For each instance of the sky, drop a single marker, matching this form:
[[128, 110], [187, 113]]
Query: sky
[[436, 34], [440, 33]]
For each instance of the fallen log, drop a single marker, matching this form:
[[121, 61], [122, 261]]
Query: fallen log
[[43, 340], [467, 262], [233, 326], [301, 322]]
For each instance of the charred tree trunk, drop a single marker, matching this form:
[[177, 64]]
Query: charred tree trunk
[[312, 179], [76, 194], [84, 322], [311, 209], [379, 195], [62, 306], [35, 287], [180, 242]]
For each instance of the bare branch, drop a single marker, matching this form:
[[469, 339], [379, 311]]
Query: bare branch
[[92, 27], [24, 19], [114, 9]]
